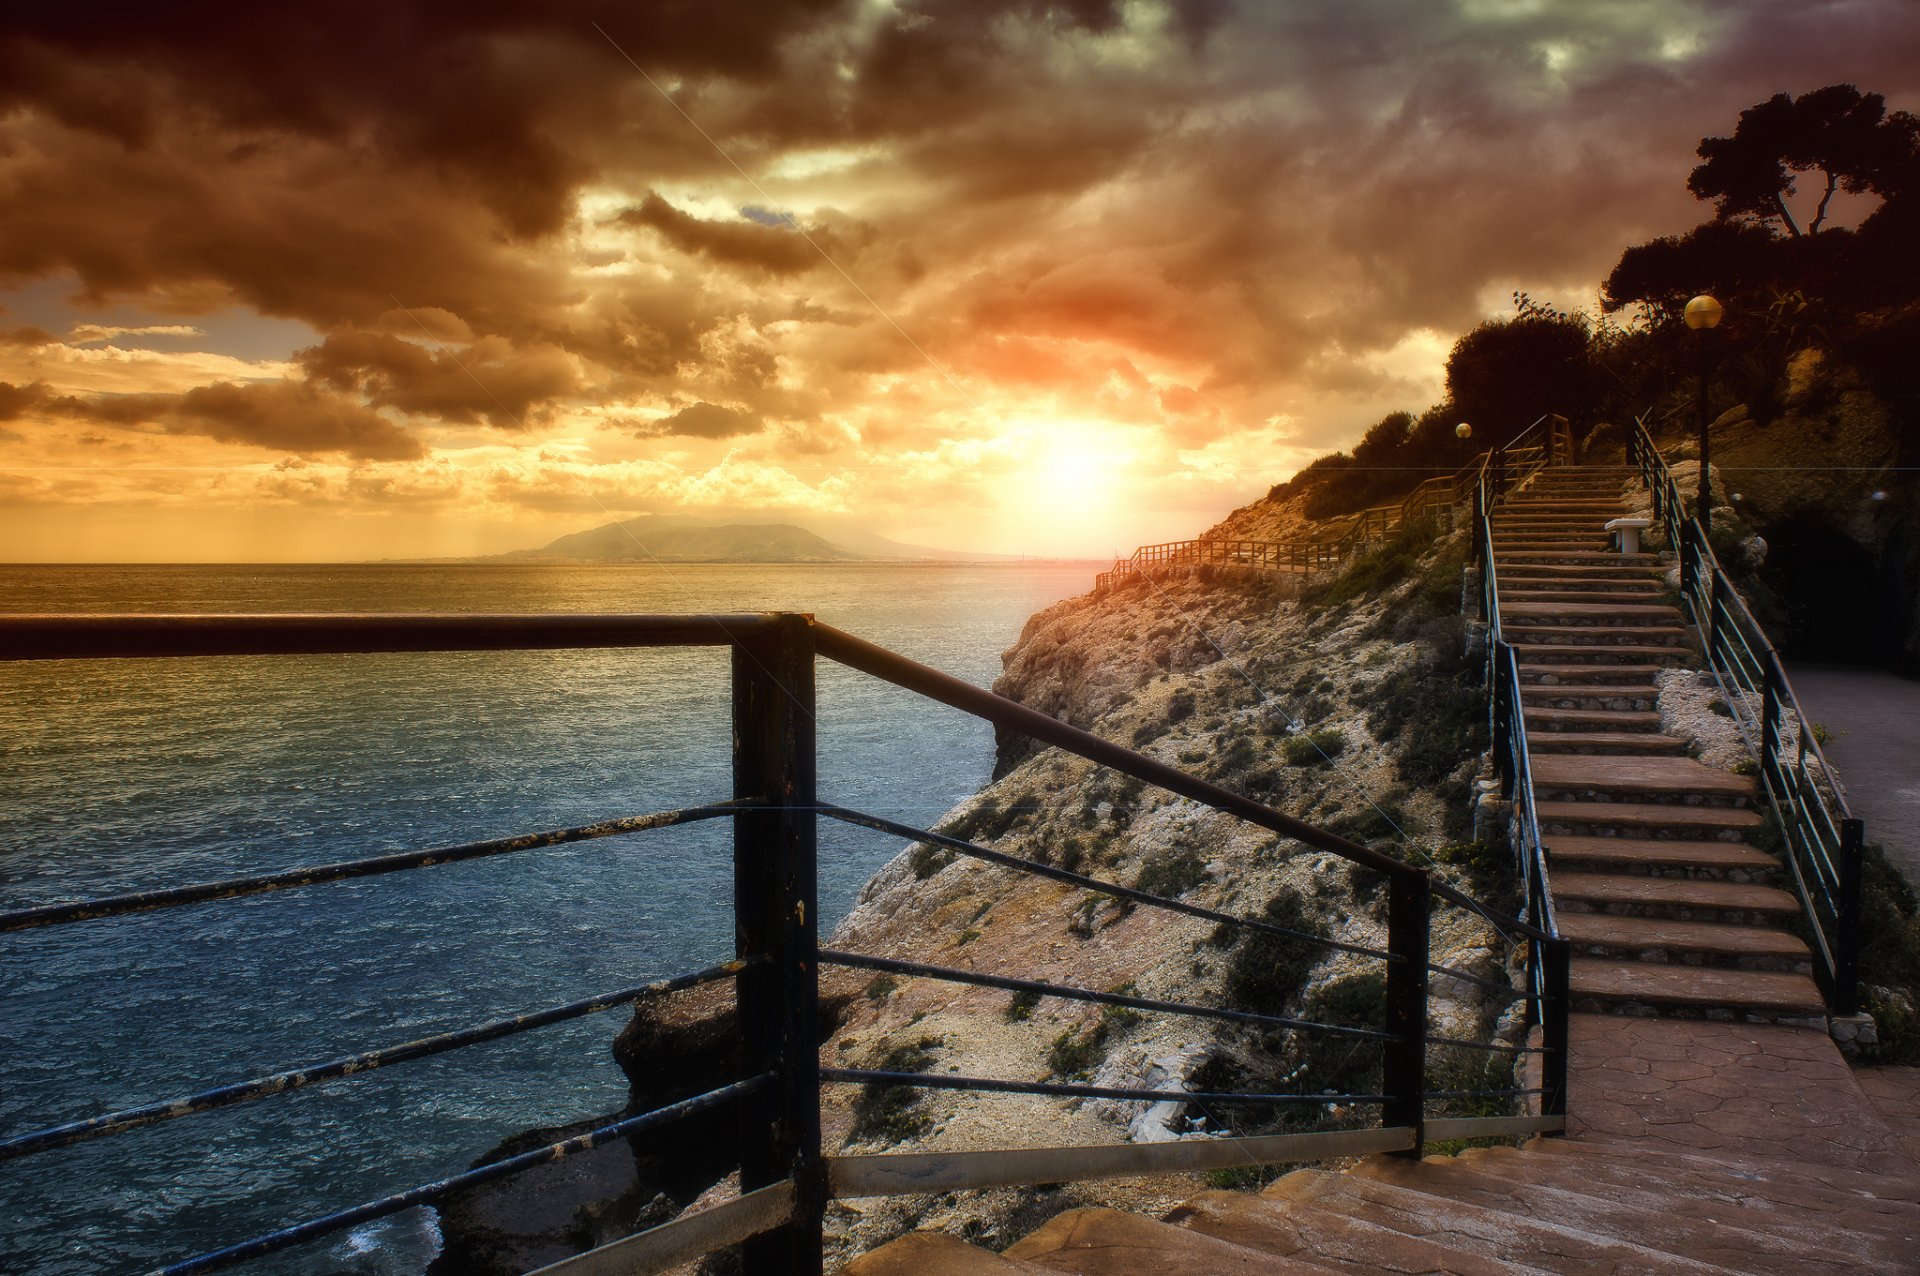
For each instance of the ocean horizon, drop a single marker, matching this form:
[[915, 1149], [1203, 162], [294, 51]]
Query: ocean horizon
[[126, 775]]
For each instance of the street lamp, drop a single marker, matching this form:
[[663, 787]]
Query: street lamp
[[1703, 315], [1463, 431]]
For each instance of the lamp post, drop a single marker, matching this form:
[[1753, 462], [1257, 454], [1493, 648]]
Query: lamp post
[[1703, 315]]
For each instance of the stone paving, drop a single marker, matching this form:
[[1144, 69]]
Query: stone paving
[[1755, 1091], [1895, 1095]]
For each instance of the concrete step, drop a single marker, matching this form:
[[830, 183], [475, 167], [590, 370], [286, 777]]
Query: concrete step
[[1621, 595], [1517, 557], [1662, 615], [935, 1254], [1598, 653], [1475, 1229], [1679, 899], [1576, 674], [1892, 1196], [1651, 780], [1541, 722], [1584, 576], [1654, 857], [1613, 695], [1660, 820], [1582, 635], [1728, 1192], [1606, 743], [1291, 1229], [1659, 939], [1633, 987], [1104, 1242], [1598, 1212]]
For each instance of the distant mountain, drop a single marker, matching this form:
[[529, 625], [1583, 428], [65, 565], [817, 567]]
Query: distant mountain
[[651, 540], [741, 538]]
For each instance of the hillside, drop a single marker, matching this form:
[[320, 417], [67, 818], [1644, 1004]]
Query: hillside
[[642, 540]]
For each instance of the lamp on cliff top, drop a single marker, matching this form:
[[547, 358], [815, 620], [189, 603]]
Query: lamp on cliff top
[[1703, 316], [1463, 431]]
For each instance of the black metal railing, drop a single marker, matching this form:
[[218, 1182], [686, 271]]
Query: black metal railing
[[1549, 962], [1822, 840], [1441, 500], [786, 1178]]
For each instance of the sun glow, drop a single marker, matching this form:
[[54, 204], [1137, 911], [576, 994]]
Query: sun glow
[[1073, 477]]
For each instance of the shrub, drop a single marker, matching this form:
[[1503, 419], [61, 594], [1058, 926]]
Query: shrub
[[881, 987], [1020, 1006], [1077, 1053], [888, 1113], [1313, 748], [926, 859], [1171, 875], [1267, 970]]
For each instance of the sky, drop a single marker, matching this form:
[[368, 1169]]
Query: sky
[[369, 280]]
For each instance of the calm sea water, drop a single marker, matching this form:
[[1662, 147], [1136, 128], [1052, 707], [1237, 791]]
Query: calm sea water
[[123, 775]]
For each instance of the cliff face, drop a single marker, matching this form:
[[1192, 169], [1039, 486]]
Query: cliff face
[[1334, 706]]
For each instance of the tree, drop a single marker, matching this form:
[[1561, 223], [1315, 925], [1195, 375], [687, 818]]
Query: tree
[[1729, 259], [1846, 136], [1507, 372]]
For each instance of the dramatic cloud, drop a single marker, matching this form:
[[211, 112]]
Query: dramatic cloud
[[918, 259]]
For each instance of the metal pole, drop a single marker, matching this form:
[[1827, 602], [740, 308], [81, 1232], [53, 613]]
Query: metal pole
[[776, 916], [1404, 1067], [1846, 949], [1703, 504], [1770, 727], [1556, 957]]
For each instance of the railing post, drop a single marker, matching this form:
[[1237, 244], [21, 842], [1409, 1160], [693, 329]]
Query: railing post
[[1846, 949], [1480, 536], [1556, 959], [776, 916], [1713, 614], [1770, 727], [1404, 1066]]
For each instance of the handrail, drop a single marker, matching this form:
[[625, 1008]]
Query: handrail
[[1443, 494], [774, 810], [1549, 954], [1823, 841]]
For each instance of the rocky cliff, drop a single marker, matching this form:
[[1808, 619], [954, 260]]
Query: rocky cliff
[[1345, 703]]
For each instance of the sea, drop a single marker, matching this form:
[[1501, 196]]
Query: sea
[[122, 775]]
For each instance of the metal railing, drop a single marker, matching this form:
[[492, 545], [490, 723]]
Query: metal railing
[[1549, 966], [1441, 500], [1822, 840], [786, 1178]]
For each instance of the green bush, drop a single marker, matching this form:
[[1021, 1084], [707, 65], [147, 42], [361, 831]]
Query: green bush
[[1020, 1006], [888, 1113], [1076, 1053], [881, 987], [1171, 875], [1313, 748], [1266, 970]]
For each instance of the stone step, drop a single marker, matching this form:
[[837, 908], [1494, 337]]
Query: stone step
[[1598, 653], [1634, 987], [1718, 861], [1729, 1193], [1597, 573], [1615, 743], [1700, 823], [1291, 1229], [1893, 1196], [1547, 673], [1584, 635], [935, 1254], [1577, 696], [1659, 780], [1541, 722], [1104, 1242], [1546, 1246], [1680, 899], [1630, 597], [1663, 615], [1661, 939], [1598, 1213], [1518, 557]]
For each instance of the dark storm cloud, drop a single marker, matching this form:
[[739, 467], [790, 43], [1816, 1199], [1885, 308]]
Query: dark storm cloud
[[777, 248], [702, 421], [1257, 196], [17, 400], [282, 415], [488, 380], [27, 335]]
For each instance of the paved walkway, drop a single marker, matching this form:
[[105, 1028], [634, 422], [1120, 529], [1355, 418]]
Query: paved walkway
[[1875, 720], [1743, 1090]]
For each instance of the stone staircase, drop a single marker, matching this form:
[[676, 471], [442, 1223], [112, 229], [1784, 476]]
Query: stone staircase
[[1715, 1128], [1592, 1208], [1669, 908]]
